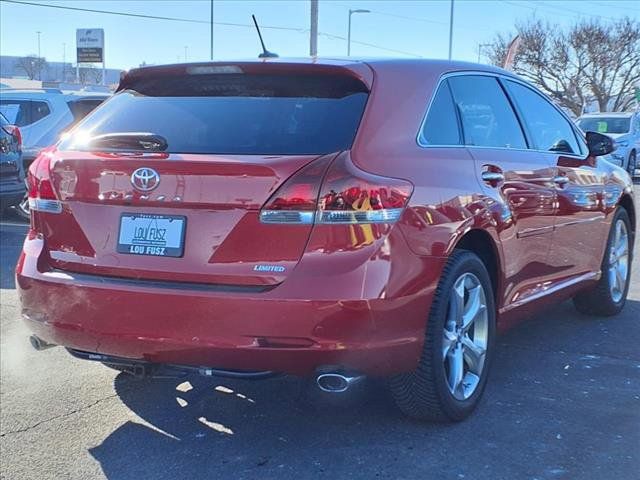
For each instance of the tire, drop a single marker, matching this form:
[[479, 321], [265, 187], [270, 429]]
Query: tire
[[605, 299], [631, 166], [426, 392]]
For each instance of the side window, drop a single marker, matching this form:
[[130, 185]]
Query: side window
[[441, 124], [17, 112], [487, 117], [549, 130], [39, 110]]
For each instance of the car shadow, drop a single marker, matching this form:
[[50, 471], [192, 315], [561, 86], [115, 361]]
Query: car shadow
[[283, 427]]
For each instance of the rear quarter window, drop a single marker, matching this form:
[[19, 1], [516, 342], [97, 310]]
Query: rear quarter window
[[441, 128], [235, 113]]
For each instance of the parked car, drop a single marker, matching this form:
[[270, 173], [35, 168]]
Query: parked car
[[624, 128], [12, 187], [42, 115], [253, 218]]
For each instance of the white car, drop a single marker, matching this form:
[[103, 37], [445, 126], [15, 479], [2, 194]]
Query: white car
[[42, 115], [624, 128]]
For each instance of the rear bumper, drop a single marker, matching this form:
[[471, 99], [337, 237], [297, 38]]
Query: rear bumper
[[235, 329]]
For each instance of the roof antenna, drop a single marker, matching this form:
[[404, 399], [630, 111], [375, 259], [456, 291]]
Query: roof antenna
[[265, 53]]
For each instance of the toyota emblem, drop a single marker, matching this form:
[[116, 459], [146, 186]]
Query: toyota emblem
[[145, 179]]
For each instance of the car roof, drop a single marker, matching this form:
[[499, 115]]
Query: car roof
[[607, 114], [49, 93]]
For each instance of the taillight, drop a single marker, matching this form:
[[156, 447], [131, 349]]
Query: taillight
[[42, 197], [15, 133], [347, 195], [297, 199]]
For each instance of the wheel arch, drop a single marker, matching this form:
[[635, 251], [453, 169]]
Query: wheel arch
[[484, 246], [626, 202]]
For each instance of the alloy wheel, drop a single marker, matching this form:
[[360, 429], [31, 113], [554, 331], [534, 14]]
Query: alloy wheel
[[465, 336], [619, 261]]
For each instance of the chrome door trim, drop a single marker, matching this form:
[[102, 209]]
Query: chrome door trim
[[552, 289]]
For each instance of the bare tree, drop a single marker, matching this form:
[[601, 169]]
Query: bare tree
[[32, 66], [90, 74], [592, 61]]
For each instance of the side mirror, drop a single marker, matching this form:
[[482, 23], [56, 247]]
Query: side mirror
[[599, 144]]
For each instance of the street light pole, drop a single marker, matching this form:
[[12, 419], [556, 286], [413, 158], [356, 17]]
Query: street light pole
[[211, 33], [482, 46], [451, 30], [39, 62], [351, 12]]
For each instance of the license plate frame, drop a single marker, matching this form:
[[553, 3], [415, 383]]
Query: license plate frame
[[156, 242]]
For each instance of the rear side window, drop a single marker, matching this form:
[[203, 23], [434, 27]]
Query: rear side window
[[548, 129], [487, 117], [23, 112], [235, 113], [81, 108], [441, 124]]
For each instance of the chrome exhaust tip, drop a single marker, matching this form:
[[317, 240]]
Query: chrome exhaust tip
[[39, 344], [337, 382]]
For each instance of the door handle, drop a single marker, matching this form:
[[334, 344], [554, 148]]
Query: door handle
[[492, 177], [560, 180]]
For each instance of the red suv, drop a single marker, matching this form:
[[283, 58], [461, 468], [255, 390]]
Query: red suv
[[329, 218]]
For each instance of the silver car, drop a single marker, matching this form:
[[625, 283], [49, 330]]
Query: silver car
[[624, 128], [42, 115]]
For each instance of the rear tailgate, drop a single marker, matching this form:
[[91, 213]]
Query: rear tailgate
[[186, 206], [218, 197]]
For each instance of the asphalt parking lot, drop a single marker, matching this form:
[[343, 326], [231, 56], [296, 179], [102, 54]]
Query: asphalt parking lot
[[563, 402]]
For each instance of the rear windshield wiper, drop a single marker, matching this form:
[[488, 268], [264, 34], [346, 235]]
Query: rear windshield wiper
[[127, 141]]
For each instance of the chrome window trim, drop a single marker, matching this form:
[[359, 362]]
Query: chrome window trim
[[499, 76]]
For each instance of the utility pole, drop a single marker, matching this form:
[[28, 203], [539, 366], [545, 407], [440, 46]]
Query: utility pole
[[211, 32], [313, 38], [351, 12], [64, 62], [451, 30], [185, 54]]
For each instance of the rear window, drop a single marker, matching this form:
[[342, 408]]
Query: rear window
[[605, 124], [235, 113], [81, 108]]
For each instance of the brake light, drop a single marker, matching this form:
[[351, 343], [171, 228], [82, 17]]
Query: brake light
[[42, 197], [346, 195], [15, 133], [297, 199], [350, 195]]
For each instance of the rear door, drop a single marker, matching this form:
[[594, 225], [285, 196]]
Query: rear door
[[517, 179], [186, 208]]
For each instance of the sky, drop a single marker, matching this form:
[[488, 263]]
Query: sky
[[395, 28]]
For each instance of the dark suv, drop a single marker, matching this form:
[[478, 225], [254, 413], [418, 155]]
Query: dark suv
[[12, 186]]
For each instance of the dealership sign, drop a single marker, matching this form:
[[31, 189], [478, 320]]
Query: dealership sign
[[90, 45]]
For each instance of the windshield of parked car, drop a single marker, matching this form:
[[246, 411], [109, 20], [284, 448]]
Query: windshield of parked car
[[234, 114], [605, 124]]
